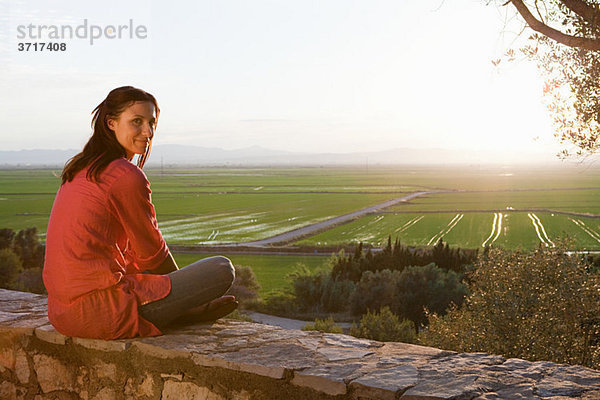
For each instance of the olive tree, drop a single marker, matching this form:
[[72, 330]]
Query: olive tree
[[565, 45], [541, 305]]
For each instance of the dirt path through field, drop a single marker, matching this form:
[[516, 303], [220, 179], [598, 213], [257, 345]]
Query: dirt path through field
[[312, 229], [286, 323]]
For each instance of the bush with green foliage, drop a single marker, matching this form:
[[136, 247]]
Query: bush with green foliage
[[427, 287], [280, 303], [323, 325], [30, 280], [21, 260], [374, 291], [6, 238], [245, 286], [384, 326], [540, 305], [318, 292], [10, 268], [239, 316], [27, 246], [409, 293]]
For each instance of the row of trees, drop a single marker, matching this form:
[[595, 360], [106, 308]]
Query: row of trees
[[396, 257]]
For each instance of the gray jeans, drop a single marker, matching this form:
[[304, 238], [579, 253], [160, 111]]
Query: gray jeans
[[191, 286]]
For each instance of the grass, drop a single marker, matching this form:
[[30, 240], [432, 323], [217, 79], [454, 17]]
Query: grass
[[270, 270]]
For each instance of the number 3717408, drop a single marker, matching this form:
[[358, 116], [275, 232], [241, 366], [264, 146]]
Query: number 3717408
[[41, 46]]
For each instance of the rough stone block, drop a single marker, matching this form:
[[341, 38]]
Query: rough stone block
[[47, 333], [146, 388], [329, 379], [340, 340], [181, 345], [274, 372], [8, 391], [8, 357], [243, 395], [22, 323], [105, 370], [390, 349], [385, 383], [8, 317], [586, 377], [105, 394], [52, 374], [455, 387], [103, 345], [157, 349], [177, 377], [337, 354], [517, 392], [269, 360], [189, 391], [22, 367], [310, 343], [551, 387]]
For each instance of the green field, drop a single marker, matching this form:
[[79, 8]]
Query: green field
[[270, 270], [467, 230], [225, 218], [576, 200], [222, 205]]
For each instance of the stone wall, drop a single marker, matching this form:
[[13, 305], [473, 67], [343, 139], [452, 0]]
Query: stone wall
[[240, 360]]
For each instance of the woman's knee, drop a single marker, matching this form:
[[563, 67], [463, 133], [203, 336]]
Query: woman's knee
[[225, 268]]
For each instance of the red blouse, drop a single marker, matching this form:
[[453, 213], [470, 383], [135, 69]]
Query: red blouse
[[101, 236]]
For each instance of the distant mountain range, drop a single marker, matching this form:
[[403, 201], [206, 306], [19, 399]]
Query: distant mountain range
[[175, 154]]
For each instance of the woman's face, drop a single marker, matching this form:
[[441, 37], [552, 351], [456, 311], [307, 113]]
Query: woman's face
[[134, 127]]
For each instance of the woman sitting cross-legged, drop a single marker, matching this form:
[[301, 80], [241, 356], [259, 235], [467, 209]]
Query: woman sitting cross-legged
[[108, 271]]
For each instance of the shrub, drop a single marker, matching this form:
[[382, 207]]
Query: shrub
[[239, 316], [27, 246], [427, 287], [278, 303], [30, 280], [541, 305], [6, 238], [409, 293], [308, 287], [318, 292], [374, 291], [384, 326], [245, 286], [323, 325], [10, 268]]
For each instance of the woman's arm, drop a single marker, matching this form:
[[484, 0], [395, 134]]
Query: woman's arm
[[129, 199], [168, 265]]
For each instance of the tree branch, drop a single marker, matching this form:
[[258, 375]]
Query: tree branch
[[560, 37], [584, 10]]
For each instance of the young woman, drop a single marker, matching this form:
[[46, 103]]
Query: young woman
[[108, 271]]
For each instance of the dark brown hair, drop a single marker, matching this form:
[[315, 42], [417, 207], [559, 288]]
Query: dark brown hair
[[102, 148]]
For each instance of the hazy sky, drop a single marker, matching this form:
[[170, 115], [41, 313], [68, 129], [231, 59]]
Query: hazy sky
[[301, 75]]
